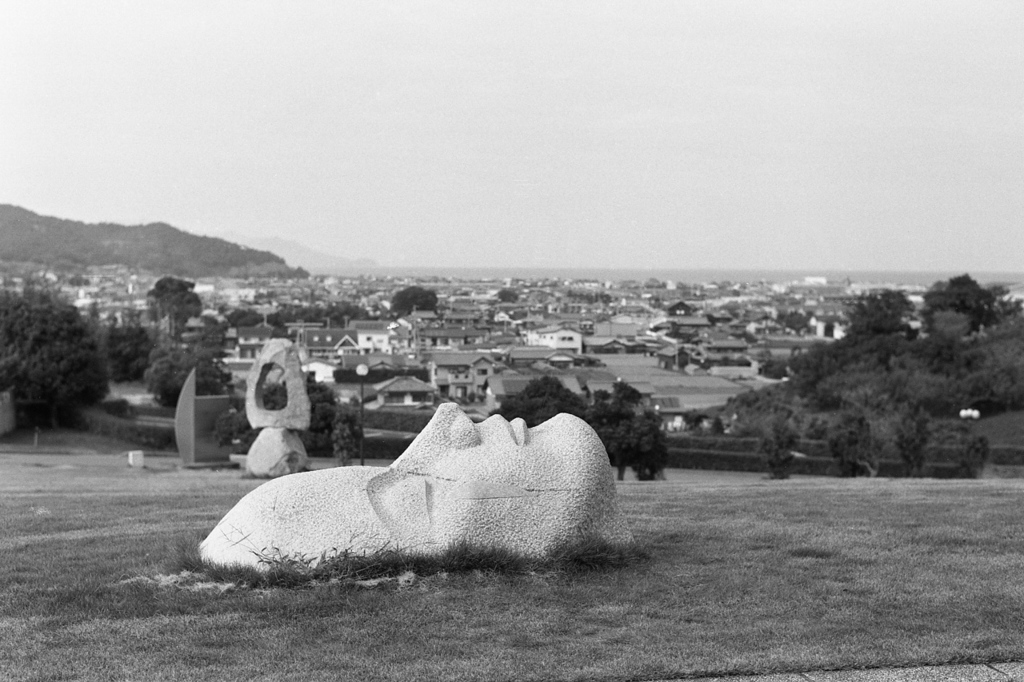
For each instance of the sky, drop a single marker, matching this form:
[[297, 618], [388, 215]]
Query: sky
[[675, 134]]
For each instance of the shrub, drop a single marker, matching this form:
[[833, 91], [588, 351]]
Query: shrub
[[851, 445], [154, 411], [153, 436], [346, 434], [776, 446], [118, 407], [384, 448], [911, 438], [379, 374], [397, 420], [749, 445], [973, 456], [232, 428]]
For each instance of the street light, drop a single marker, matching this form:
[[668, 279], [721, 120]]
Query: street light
[[362, 370]]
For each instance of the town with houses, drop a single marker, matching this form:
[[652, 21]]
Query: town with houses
[[685, 347]]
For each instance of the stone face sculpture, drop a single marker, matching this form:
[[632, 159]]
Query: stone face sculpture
[[277, 450], [496, 484]]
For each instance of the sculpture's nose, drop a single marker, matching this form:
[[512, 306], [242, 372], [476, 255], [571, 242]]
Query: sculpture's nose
[[519, 431]]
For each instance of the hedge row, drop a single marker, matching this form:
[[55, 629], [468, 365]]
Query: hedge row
[[941, 455], [153, 411], [712, 460], [710, 444], [811, 448], [350, 376], [394, 420], [153, 436], [375, 448], [1011, 455]]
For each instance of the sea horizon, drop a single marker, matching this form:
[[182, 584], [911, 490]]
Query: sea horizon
[[689, 276]]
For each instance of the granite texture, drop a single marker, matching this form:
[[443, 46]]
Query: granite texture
[[939, 673], [278, 354], [1014, 671], [496, 484], [275, 452]]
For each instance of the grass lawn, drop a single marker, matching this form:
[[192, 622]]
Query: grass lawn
[[61, 439], [745, 576]]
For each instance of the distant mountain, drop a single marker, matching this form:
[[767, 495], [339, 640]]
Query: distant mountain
[[300, 255], [26, 237]]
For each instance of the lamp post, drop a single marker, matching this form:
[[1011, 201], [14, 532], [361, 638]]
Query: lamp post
[[362, 370], [970, 414]]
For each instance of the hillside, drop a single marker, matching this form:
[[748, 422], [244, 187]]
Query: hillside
[[315, 261], [26, 237]]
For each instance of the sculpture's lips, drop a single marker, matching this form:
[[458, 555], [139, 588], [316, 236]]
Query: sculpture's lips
[[520, 433]]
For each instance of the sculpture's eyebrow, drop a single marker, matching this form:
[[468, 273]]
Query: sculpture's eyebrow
[[486, 490]]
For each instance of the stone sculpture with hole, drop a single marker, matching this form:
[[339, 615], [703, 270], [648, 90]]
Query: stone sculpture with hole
[[277, 450]]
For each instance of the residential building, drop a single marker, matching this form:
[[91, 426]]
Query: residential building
[[457, 374], [373, 336], [558, 337], [321, 370], [607, 345], [329, 343], [430, 338], [524, 356], [252, 339], [404, 391]]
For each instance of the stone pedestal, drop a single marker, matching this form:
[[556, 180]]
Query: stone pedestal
[[275, 452]]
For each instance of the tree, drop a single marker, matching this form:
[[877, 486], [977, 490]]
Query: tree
[[173, 298], [880, 313], [795, 320], [507, 296], [778, 438], [323, 406], [650, 451], [631, 435], [541, 400], [413, 298], [983, 307], [346, 434], [170, 366], [611, 417], [128, 345], [244, 317], [851, 445], [911, 438], [332, 314], [49, 355]]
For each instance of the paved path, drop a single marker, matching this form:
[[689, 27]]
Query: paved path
[[995, 672]]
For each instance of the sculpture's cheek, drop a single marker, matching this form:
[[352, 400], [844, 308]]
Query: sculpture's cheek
[[531, 525], [303, 516]]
